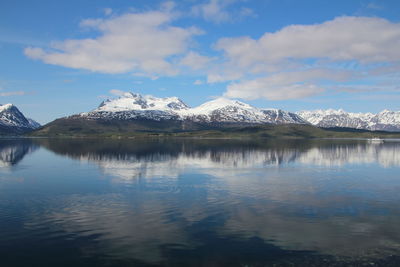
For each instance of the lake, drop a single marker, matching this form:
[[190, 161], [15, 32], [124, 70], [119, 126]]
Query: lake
[[185, 202]]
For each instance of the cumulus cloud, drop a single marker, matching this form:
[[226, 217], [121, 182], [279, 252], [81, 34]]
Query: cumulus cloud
[[345, 38], [259, 88], [217, 11], [285, 85], [198, 82], [307, 57], [223, 77], [133, 42], [195, 60]]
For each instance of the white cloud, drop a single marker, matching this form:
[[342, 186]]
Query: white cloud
[[107, 11], [117, 92], [168, 6], [134, 42], [247, 12], [12, 93], [195, 60], [361, 88], [198, 82], [302, 60], [223, 77], [285, 85], [374, 6], [259, 89], [345, 38], [217, 11], [146, 75], [212, 11]]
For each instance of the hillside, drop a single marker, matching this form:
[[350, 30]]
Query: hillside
[[78, 127]]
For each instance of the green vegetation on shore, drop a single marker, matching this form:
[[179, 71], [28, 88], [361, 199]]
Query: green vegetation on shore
[[67, 127]]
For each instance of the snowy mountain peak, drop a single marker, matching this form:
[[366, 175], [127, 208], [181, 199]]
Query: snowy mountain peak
[[220, 103], [134, 101], [131, 95], [12, 120], [385, 111], [6, 107]]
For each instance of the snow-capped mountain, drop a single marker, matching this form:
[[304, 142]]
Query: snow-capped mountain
[[131, 101], [136, 106], [225, 110], [13, 121], [281, 116], [220, 110], [385, 120]]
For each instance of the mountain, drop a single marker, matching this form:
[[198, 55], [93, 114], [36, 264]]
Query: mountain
[[12, 121], [280, 116], [382, 121], [132, 106]]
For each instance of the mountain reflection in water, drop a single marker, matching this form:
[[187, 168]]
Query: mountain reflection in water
[[12, 151], [204, 202]]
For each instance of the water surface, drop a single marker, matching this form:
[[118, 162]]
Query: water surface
[[88, 202]]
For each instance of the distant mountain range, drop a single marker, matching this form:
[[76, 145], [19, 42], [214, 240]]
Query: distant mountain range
[[382, 121], [12, 121], [145, 113]]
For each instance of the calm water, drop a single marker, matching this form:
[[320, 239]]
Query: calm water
[[199, 203]]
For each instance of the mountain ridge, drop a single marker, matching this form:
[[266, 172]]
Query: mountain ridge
[[385, 120], [220, 110]]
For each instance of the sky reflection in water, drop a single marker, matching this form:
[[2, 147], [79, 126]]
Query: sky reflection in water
[[204, 202]]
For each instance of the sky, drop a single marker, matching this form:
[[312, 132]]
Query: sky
[[59, 58]]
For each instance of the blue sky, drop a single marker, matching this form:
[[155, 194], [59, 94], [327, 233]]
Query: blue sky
[[58, 58]]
